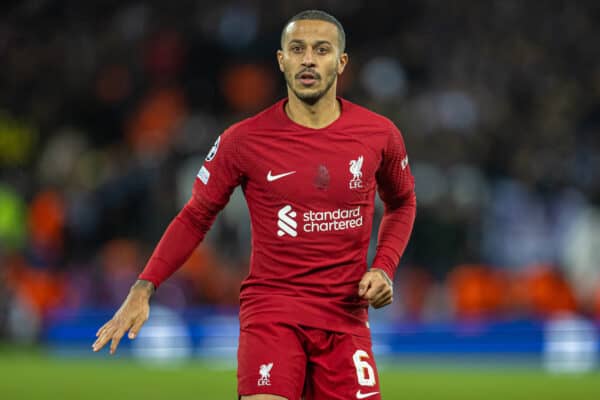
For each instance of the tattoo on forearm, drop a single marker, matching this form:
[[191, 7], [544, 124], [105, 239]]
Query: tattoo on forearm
[[146, 285]]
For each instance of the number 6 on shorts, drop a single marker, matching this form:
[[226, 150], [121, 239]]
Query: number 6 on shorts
[[364, 371]]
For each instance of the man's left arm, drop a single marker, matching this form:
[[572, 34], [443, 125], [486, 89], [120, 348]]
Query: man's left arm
[[396, 189]]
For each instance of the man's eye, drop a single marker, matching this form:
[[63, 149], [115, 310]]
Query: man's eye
[[322, 50], [296, 49]]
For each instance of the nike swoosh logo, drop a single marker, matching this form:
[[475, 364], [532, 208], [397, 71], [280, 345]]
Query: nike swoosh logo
[[360, 395], [272, 178]]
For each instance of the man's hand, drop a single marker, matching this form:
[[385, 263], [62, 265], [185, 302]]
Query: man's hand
[[376, 287], [130, 317]]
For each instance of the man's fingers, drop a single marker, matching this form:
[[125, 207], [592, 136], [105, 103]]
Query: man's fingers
[[376, 287], [97, 345], [129, 317], [102, 339], [383, 300], [375, 291], [110, 330], [135, 329], [116, 338], [363, 286], [103, 327], [380, 294], [386, 294]]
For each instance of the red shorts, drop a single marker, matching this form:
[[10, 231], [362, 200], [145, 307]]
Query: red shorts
[[297, 362]]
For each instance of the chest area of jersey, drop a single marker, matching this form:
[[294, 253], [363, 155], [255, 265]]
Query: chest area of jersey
[[338, 171]]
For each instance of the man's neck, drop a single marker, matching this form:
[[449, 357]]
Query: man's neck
[[319, 115]]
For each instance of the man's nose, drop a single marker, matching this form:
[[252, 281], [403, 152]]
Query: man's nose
[[308, 60]]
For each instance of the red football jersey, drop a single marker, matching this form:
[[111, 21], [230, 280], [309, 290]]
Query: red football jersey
[[310, 193]]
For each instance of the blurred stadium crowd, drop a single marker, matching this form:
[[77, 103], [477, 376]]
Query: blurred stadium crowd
[[108, 108]]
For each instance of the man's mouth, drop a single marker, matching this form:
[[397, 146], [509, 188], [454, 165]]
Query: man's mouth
[[307, 78]]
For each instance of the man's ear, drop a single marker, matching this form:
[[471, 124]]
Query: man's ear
[[280, 60], [343, 61]]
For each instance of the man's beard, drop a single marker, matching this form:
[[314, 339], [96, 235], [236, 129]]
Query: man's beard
[[313, 97]]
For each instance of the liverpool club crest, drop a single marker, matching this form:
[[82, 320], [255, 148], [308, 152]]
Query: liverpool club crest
[[355, 170]]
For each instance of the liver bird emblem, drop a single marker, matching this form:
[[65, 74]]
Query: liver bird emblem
[[265, 370], [265, 374], [355, 170]]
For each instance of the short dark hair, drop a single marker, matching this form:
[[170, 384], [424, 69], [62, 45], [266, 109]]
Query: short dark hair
[[321, 16]]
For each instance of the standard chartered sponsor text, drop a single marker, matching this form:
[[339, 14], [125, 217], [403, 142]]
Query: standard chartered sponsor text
[[336, 220]]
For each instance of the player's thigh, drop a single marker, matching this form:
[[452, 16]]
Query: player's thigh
[[271, 361], [346, 371]]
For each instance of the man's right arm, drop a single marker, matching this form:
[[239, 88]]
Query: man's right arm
[[182, 236], [217, 178], [180, 239]]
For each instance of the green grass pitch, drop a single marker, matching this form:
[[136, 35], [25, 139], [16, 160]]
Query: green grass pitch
[[30, 375]]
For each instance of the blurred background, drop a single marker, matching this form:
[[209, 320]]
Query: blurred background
[[107, 109]]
